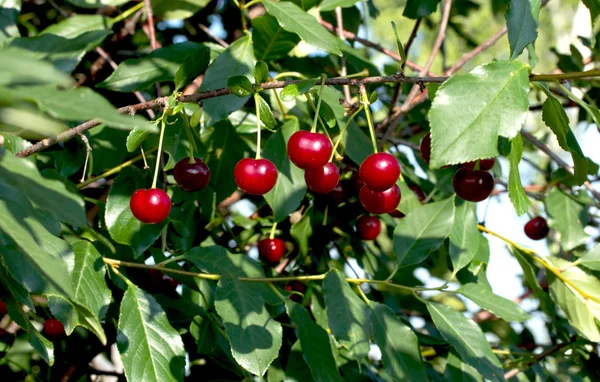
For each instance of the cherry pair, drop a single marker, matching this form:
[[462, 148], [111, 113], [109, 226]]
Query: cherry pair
[[379, 194], [312, 152]]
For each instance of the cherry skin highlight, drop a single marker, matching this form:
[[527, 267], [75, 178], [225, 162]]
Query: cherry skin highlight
[[255, 176], [379, 171], [471, 185], [309, 150], [271, 250], [379, 202], [53, 328], [150, 206], [484, 164], [322, 180], [368, 227], [426, 148], [537, 228], [191, 176]]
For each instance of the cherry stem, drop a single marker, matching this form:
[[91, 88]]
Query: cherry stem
[[273, 228], [365, 101], [127, 13], [324, 223], [339, 139], [190, 136], [257, 125], [314, 125], [113, 170], [477, 165], [160, 143]]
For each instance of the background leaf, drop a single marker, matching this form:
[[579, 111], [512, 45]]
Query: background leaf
[[501, 307], [271, 41], [464, 236], [192, 67], [569, 218], [516, 193], [521, 21]]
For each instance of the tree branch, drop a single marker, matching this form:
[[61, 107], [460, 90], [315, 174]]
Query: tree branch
[[540, 357]]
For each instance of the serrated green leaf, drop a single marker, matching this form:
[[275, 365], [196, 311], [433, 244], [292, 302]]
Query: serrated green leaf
[[271, 42], [348, 315], [492, 100], [416, 9], [16, 290], [398, 344], [135, 138], [151, 349], [529, 271], [591, 259], [464, 236], [521, 21], [467, 338], [261, 72], [192, 67], [422, 231], [72, 313], [240, 86], [265, 114], [501, 307], [290, 187], [516, 193], [569, 218], [292, 91], [293, 19], [330, 5]]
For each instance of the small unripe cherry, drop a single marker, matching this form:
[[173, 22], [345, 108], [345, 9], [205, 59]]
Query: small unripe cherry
[[368, 227], [537, 228], [53, 328]]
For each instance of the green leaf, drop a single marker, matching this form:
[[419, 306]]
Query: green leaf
[[325, 112], [464, 236], [271, 42], [330, 5], [401, 51], [591, 259], [493, 102], [96, 3], [423, 231], [457, 370], [569, 218], [516, 193], [122, 226], [76, 25], [237, 60], [9, 13], [293, 19], [416, 9], [177, 143], [348, 315], [315, 344], [192, 67], [529, 271], [264, 111], [501, 307], [467, 338], [72, 313], [16, 290], [254, 336], [261, 72], [290, 187], [135, 138], [398, 344], [240, 86], [177, 9], [521, 21], [302, 231], [20, 67], [151, 349], [295, 90], [160, 65]]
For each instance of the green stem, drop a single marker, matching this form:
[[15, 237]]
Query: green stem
[[171, 260], [365, 101], [314, 108], [283, 113], [361, 294], [337, 143], [289, 74], [314, 125], [113, 170], [190, 135], [251, 3], [324, 223], [160, 143], [281, 297], [127, 13], [257, 125], [273, 228], [565, 76]]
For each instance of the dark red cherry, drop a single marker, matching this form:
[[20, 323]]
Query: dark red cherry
[[338, 194], [379, 171], [419, 192], [471, 185], [150, 206], [53, 328], [484, 164], [379, 202], [322, 180], [255, 176], [271, 250], [368, 227], [537, 228], [309, 150], [191, 176], [426, 148], [3, 309], [295, 286], [397, 214]]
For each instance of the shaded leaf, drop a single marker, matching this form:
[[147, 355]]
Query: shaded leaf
[[521, 21], [591, 259], [569, 218], [501, 307], [192, 67], [264, 111], [271, 41], [516, 193], [240, 86], [416, 9], [261, 72], [177, 9], [292, 91]]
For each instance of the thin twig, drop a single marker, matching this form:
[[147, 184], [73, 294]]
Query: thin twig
[[151, 31], [219, 40], [556, 348], [88, 150], [480, 48], [344, 72]]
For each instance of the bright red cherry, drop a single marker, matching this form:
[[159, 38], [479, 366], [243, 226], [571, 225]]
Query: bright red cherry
[[322, 180], [309, 150], [473, 186], [53, 328], [255, 176], [150, 206], [368, 227], [3, 309], [484, 164], [379, 202], [426, 148], [271, 250], [537, 228], [379, 171], [419, 192], [191, 176]]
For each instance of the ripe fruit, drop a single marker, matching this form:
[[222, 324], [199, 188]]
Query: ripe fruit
[[338, 194], [397, 214], [271, 250], [379, 202], [368, 227], [53, 328], [3, 309], [379, 171], [191, 176], [537, 228], [295, 286], [473, 186], [322, 180], [150, 206], [309, 150], [484, 164], [255, 176], [419, 192], [426, 148]]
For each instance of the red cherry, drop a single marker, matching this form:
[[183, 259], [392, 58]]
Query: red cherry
[[309, 150], [426, 148], [338, 194], [271, 250], [322, 180], [379, 171], [191, 176], [53, 328], [484, 164], [255, 176], [537, 228], [379, 202], [150, 206], [368, 227], [473, 186], [3, 309], [295, 286], [419, 192]]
